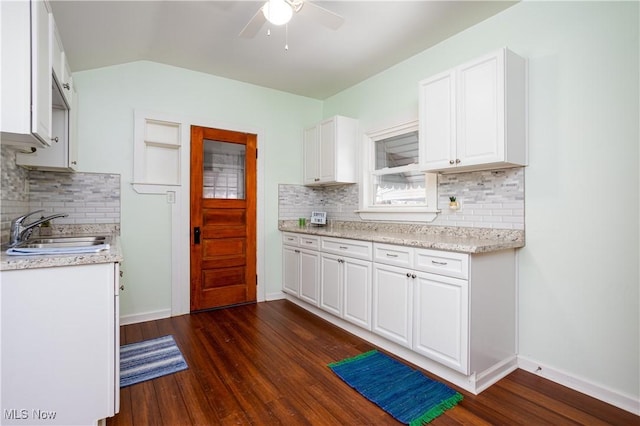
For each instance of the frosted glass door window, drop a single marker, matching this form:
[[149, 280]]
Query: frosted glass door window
[[224, 170]]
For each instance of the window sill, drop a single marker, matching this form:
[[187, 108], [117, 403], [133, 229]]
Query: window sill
[[403, 214]]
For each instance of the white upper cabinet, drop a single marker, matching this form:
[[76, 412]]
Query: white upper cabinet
[[330, 152], [26, 73], [473, 117], [60, 65]]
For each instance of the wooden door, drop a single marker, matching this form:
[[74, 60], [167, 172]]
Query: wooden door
[[223, 218]]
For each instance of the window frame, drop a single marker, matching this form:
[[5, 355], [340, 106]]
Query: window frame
[[395, 213]]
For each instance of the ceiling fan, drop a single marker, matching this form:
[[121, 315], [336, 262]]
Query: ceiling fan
[[279, 12]]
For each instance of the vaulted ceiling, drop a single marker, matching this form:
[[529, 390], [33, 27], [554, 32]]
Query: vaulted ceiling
[[203, 36]]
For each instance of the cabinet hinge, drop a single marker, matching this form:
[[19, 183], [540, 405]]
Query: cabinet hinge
[[256, 280], [256, 152]]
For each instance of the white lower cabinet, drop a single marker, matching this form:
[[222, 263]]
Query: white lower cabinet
[[456, 309], [301, 267], [60, 344], [345, 288], [440, 320], [392, 307]]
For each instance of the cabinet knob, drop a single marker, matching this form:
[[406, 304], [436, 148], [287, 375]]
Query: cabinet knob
[[413, 276], [316, 179], [408, 275], [121, 287], [55, 139], [451, 162], [66, 86], [74, 162], [457, 161]]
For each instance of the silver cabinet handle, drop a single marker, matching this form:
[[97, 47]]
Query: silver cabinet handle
[[438, 263], [457, 161], [391, 255], [344, 248], [55, 139], [408, 275], [413, 276], [451, 162], [308, 242], [296, 251]]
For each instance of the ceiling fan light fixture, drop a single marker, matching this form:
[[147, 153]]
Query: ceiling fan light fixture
[[277, 12]]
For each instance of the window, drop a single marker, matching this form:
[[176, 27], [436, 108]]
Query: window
[[394, 187]]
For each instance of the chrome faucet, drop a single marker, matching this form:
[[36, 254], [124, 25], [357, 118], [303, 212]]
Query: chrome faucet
[[20, 232]]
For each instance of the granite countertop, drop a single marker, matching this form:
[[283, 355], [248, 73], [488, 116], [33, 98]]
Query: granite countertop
[[457, 239], [113, 254]]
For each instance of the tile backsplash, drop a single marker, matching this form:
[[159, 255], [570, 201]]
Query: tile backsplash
[[488, 199], [88, 198]]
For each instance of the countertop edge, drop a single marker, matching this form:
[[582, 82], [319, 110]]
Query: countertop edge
[[14, 263], [455, 244]]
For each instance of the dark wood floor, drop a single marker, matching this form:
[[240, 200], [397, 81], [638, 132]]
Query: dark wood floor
[[266, 364]]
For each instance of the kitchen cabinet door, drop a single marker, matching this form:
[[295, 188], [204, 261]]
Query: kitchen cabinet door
[[291, 270], [331, 283], [311, 162], [441, 320], [309, 276], [26, 73], [357, 292], [437, 121], [392, 307]]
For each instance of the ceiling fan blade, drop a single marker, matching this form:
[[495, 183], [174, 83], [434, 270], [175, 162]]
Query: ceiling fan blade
[[322, 16], [254, 25]]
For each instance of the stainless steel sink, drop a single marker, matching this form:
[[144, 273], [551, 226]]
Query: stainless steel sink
[[64, 242], [61, 245]]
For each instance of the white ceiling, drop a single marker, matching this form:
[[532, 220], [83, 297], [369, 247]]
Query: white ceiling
[[203, 36]]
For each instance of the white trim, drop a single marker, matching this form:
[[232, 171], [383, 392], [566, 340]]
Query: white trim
[[405, 215], [145, 316], [623, 401], [180, 212]]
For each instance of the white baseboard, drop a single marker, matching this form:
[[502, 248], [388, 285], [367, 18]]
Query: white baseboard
[[145, 316], [275, 296], [615, 398]]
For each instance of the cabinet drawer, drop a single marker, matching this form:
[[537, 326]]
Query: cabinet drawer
[[310, 242], [300, 240], [351, 248], [393, 255], [442, 263], [290, 239]]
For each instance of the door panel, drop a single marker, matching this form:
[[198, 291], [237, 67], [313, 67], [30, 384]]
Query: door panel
[[223, 218]]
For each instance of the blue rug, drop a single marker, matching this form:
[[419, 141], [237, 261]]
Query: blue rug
[[149, 359], [406, 394]]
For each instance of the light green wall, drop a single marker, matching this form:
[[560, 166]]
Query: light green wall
[[578, 274], [108, 97]]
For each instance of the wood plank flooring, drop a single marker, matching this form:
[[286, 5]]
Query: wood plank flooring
[[266, 364]]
